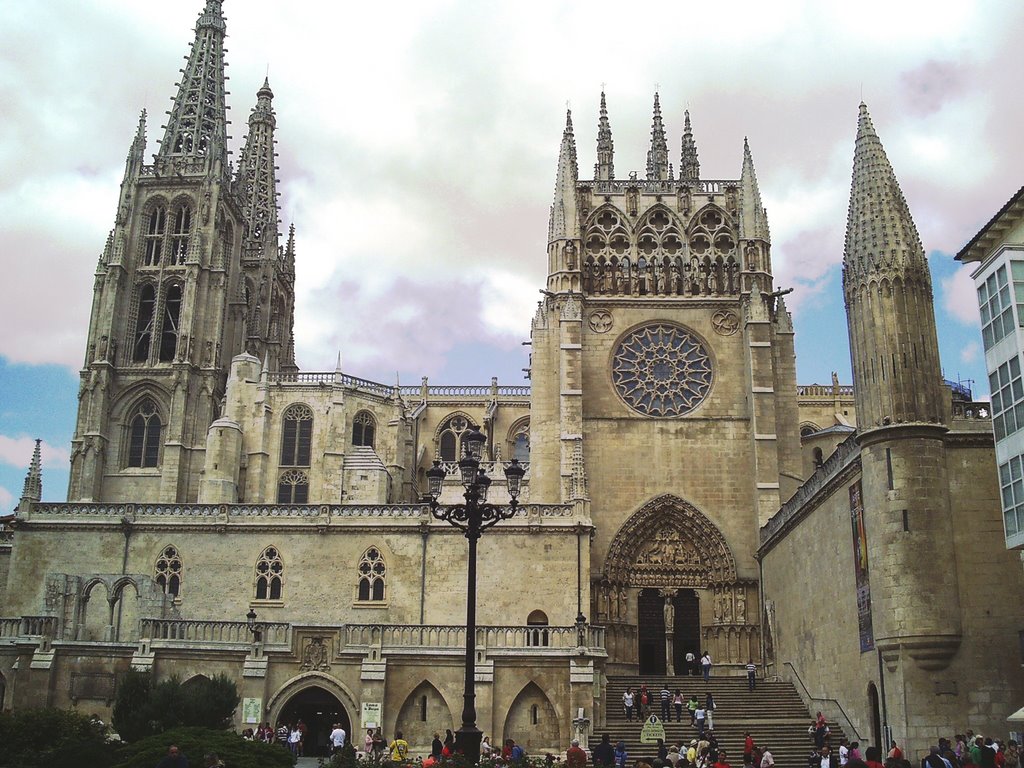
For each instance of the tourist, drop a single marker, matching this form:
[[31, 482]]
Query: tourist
[[692, 706], [933, 759], [337, 739], [1011, 755], [379, 745], [699, 718], [282, 734], [661, 754], [691, 663], [294, 740], [705, 663], [621, 755], [678, 702], [666, 703], [674, 756], [767, 759], [399, 748], [173, 759], [436, 746], [873, 758], [574, 756], [895, 753], [485, 746], [691, 754], [844, 753], [709, 708], [854, 753], [604, 753], [748, 744], [645, 702], [448, 749], [721, 761], [517, 753], [825, 757], [627, 703], [751, 674], [301, 726]]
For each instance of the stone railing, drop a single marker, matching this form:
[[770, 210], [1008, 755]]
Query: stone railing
[[845, 452], [214, 632], [824, 390], [495, 638], [10, 626], [662, 186], [973, 411], [412, 392]]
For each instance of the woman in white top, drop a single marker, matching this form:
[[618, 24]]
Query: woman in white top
[[627, 703]]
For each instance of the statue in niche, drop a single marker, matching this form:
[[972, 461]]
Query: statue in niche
[[208, 354], [622, 605], [750, 253], [633, 200], [741, 606], [669, 611], [101, 348], [727, 608], [718, 605], [570, 255]]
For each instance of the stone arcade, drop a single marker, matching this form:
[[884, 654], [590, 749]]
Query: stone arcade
[[682, 489]]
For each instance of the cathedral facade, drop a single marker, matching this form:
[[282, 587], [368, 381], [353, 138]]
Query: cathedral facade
[[663, 430]]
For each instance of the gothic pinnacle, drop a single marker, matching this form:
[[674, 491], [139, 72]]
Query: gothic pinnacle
[[563, 223], [605, 167], [689, 165], [880, 231], [657, 155], [33, 488], [753, 219], [258, 180]]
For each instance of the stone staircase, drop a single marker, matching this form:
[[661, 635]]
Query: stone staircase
[[773, 713]]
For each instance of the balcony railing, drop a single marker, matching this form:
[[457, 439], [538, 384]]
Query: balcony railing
[[213, 632]]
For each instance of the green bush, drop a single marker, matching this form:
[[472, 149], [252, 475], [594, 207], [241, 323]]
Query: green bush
[[144, 708], [194, 743], [52, 738]]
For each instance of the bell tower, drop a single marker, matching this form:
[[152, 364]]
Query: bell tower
[[172, 303]]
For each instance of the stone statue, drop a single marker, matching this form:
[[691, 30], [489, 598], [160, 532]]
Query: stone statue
[[727, 608], [670, 615], [750, 252], [718, 605], [741, 607]]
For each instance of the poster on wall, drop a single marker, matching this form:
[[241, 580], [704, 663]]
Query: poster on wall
[[860, 564], [251, 711], [371, 714]]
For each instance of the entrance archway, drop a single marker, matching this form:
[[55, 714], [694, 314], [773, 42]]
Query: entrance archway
[[652, 632], [319, 709], [876, 718]]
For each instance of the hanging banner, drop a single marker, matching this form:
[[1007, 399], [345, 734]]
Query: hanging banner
[[370, 715], [860, 564]]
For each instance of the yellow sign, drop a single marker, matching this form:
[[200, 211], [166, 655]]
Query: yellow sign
[[653, 730]]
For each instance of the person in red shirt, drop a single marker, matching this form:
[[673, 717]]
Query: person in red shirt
[[895, 752], [748, 744], [575, 757], [873, 757], [722, 762]]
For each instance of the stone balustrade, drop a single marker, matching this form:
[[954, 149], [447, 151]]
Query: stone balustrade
[[824, 390], [412, 392], [188, 631], [972, 410], [27, 627], [493, 638]]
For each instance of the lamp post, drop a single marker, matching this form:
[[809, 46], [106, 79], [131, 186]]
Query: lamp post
[[472, 518], [252, 626]]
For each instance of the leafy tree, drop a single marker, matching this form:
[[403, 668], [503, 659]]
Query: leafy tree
[[210, 702], [131, 715], [52, 738], [144, 708], [197, 742]]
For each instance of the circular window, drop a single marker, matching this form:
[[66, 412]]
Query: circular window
[[661, 369]]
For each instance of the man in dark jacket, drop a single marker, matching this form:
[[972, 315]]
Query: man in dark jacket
[[174, 759], [604, 753]]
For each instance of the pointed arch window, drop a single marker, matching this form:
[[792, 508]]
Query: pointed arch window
[[144, 324], [372, 574], [269, 575], [293, 487], [449, 440], [181, 234], [144, 436], [155, 236], [519, 442], [169, 328], [364, 428], [537, 629], [169, 569], [296, 436]]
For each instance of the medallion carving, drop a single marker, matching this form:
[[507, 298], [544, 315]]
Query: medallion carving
[[725, 323], [316, 655], [600, 321]]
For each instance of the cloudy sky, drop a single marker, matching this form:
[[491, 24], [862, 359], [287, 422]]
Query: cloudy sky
[[418, 143]]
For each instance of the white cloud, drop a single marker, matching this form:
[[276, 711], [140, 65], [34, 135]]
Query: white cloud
[[17, 452], [6, 501], [960, 298], [971, 352]]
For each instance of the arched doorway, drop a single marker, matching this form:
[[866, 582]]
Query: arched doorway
[[652, 631], [319, 709], [876, 718]]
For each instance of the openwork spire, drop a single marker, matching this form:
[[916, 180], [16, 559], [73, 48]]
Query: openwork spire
[[563, 222], [880, 232], [137, 152], [258, 181], [197, 123], [689, 165], [657, 155], [604, 169], [33, 488], [753, 219]]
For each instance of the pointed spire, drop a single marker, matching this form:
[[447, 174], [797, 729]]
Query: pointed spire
[[657, 155], [337, 367], [33, 488], [197, 123], [880, 232], [753, 219], [137, 153], [689, 165], [257, 179], [265, 370], [604, 169], [563, 222], [289, 253]]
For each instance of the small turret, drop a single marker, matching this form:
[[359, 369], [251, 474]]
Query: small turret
[[689, 165], [32, 491], [604, 169], [657, 155]]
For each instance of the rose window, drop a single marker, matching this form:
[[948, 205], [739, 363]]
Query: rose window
[[661, 369]]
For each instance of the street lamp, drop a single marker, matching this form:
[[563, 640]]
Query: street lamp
[[252, 626], [472, 518]]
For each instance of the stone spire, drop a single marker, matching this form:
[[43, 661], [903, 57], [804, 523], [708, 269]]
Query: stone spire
[[258, 181], [880, 232], [753, 218], [657, 155], [289, 253], [33, 488], [689, 165], [136, 154], [888, 291], [563, 222], [604, 169], [197, 123]]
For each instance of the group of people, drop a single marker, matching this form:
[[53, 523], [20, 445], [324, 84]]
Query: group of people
[[703, 752], [701, 714]]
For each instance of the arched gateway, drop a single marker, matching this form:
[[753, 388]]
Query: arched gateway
[[669, 587]]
